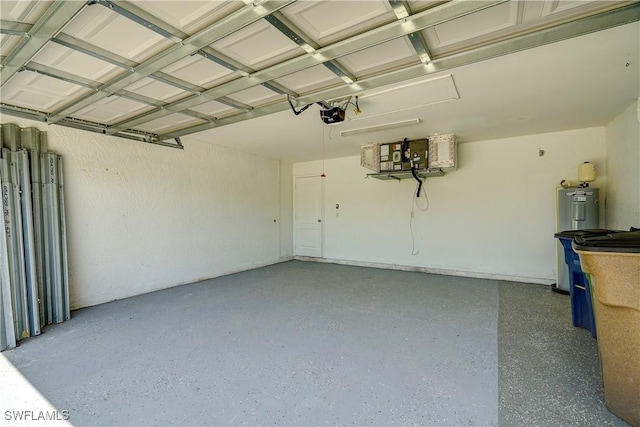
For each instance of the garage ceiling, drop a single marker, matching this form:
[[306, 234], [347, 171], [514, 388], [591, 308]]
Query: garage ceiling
[[156, 71]]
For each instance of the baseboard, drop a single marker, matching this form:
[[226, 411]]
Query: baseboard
[[442, 271]]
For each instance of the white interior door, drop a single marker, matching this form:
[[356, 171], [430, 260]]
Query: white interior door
[[307, 214]]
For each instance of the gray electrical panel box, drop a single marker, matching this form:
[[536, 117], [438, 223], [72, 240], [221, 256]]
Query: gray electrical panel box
[[576, 209]]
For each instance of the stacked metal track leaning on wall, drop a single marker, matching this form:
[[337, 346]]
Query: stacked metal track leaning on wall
[[34, 289]]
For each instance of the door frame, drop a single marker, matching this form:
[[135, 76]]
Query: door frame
[[322, 215]]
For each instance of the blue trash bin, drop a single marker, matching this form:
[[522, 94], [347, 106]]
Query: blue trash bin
[[582, 314]]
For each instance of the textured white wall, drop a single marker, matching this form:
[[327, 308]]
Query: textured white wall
[[623, 165], [286, 210], [493, 217], [143, 217]]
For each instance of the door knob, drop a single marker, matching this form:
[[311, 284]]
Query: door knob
[[319, 220]]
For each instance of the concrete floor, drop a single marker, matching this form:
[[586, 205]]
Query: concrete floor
[[302, 343]]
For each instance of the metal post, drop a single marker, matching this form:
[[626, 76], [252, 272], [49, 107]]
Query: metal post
[[19, 260], [7, 329], [46, 203], [52, 223], [33, 140], [55, 228], [13, 224], [63, 242], [28, 232]]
